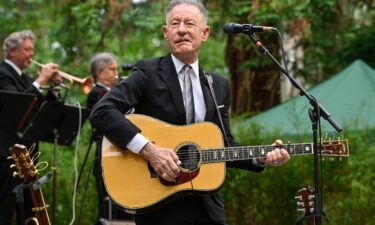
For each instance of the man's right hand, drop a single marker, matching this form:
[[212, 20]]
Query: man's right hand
[[164, 161], [47, 73]]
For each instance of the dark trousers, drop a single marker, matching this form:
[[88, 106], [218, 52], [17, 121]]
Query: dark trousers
[[7, 198], [187, 210]]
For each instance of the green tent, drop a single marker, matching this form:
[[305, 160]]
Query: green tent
[[349, 96]]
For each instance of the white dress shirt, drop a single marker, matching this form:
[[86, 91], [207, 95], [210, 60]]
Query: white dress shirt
[[139, 141]]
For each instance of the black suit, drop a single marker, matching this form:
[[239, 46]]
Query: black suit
[[153, 89], [11, 81]]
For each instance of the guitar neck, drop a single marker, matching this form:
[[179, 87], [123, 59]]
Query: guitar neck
[[251, 152], [40, 207]]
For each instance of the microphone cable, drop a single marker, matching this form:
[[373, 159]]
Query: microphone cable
[[282, 49], [76, 163]]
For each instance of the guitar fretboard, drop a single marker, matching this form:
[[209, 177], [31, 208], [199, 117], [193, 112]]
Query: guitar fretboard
[[246, 152]]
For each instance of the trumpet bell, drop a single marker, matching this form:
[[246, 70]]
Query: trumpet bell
[[87, 85]]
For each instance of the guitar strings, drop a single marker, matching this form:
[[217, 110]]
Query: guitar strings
[[32, 148], [40, 164], [36, 156]]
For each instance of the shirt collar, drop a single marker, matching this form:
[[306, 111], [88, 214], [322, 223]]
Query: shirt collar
[[178, 65], [100, 84], [14, 66]]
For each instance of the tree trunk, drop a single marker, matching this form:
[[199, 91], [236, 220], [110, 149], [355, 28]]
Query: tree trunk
[[255, 81]]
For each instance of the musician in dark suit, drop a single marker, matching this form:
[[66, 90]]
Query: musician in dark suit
[[18, 49], [160, 88], [104, 70]]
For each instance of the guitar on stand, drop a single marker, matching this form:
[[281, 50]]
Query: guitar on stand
[[28, 171], [305, 205]]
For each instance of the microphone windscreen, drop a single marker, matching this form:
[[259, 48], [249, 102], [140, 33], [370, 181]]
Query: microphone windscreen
[[228, 28]]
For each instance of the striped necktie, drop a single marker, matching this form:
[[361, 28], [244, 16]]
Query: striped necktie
[[188, 94]]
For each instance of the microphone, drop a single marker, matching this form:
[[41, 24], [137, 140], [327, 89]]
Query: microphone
[[127, 67], [42, 181], [234, 28]]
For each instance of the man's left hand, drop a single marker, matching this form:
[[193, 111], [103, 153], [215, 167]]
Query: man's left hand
[[278, 156]]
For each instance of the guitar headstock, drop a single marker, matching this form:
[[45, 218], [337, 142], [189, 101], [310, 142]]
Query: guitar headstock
[[334, 148], [305, 203], [22, 161]]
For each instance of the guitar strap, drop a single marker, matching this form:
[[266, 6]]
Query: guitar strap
[[210, 81]]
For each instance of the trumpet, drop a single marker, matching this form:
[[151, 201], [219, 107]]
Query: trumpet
[[87, 83]]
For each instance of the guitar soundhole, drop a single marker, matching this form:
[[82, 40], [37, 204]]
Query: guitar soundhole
[[189, 157]]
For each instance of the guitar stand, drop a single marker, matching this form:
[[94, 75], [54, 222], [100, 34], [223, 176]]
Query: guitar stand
[[18, 194], [301, 219]]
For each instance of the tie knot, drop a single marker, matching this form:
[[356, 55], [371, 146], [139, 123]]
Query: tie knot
[[186, 68]]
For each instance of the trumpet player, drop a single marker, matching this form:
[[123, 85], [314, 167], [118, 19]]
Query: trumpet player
[[18, 50]]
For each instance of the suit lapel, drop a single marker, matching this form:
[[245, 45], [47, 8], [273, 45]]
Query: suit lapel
[[168, 74], [26, 80], [22, 82], [210, 108]]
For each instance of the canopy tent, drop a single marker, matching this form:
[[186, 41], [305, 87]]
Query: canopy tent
[[349, 96]]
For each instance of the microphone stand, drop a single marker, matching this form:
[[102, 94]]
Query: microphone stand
[[315, 113]]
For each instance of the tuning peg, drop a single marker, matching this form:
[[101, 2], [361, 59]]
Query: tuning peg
[[300, 204], [311, 210], [13, 165], [15, 174], [301, 210], [298, 198], [34, 173], [9, 157]]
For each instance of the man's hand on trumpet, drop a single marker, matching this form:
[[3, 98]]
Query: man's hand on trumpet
[[48, 72]]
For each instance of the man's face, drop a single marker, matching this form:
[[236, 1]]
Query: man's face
[[109, 74], [23, 55], [185, 31]]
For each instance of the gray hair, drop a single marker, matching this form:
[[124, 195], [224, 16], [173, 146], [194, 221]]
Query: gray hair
[[195, 3], [100, 61], [15, 39]]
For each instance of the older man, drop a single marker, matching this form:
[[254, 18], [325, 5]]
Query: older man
[[18, 50], [173, 89]]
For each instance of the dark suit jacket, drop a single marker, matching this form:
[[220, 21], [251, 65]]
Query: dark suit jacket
[[153, 89], [95, 95]]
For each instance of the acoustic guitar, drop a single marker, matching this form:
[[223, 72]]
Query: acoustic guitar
[[132, 183], [27, 171]]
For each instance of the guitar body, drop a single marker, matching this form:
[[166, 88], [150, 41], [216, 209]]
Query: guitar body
[[131, 182]]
